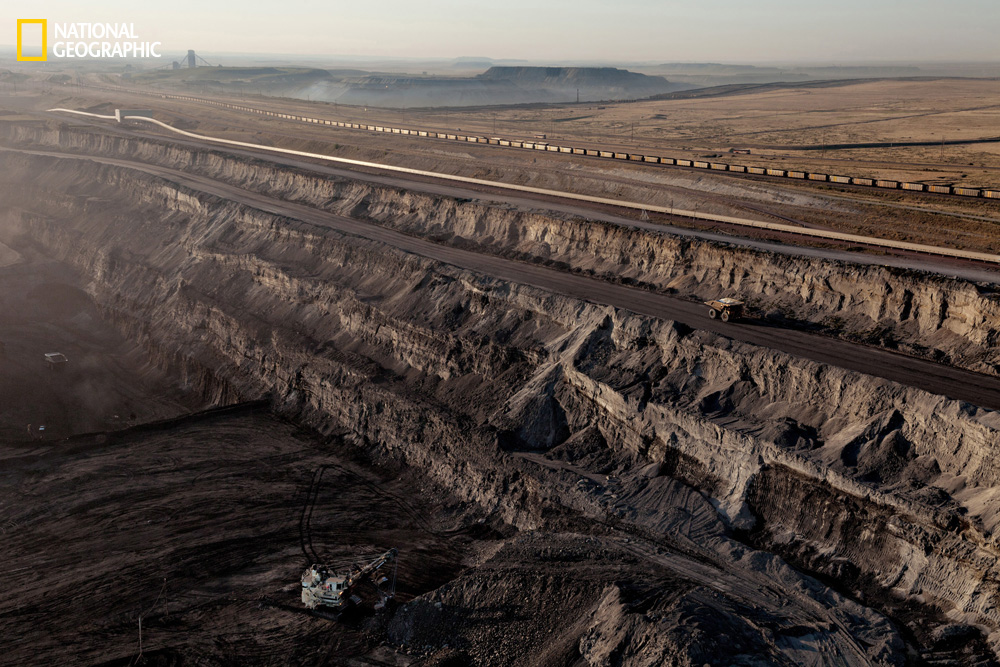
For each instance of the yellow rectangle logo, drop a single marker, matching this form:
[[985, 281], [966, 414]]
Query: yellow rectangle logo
[[45, 50]]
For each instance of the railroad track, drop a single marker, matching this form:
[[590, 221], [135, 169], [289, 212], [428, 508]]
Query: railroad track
[[796, 174], [649, 208]]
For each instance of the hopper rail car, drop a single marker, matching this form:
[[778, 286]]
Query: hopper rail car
[[798, 175]]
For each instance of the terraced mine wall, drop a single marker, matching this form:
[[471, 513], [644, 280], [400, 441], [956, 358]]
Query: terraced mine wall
[[885, 491], [928, 315]]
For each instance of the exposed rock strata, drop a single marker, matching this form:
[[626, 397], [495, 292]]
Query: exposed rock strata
[[950, 320], [522, 401]]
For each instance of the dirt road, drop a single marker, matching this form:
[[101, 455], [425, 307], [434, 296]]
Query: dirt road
[[936, 378]]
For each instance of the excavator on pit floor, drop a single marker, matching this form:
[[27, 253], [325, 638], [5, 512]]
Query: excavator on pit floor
[[323, 586]]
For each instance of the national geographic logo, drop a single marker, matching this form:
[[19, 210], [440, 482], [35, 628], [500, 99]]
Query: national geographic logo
[[82, 40], [21, 23]]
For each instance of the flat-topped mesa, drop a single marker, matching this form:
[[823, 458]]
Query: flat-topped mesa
[[603, 77]]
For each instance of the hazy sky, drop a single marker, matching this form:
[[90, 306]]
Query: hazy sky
[[555, 30]]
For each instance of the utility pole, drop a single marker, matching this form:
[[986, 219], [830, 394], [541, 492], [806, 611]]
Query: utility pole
[[577, 95], [494, 123]]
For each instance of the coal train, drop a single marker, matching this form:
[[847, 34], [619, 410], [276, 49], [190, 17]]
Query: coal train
[[954, 190]]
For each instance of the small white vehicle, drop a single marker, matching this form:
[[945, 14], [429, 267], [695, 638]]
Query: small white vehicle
[[55, 359]]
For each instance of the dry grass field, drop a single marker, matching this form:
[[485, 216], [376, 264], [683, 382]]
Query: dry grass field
[[795, 126], [790, 127], [785, 118], [775, 123]]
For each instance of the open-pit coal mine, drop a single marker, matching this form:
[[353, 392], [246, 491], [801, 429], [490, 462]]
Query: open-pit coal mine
[[268, 367]]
